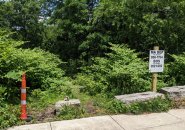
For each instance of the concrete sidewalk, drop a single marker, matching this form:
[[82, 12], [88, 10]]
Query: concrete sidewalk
[[172, 120]]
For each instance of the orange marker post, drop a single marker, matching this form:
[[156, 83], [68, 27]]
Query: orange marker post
[[23, 98]]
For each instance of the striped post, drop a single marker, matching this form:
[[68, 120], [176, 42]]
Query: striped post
[[23, 98]]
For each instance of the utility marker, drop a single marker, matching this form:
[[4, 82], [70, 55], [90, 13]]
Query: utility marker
[[23, 98]]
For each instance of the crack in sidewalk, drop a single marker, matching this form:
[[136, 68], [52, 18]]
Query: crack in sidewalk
[[117, 122], [175, 116], [50, 125]]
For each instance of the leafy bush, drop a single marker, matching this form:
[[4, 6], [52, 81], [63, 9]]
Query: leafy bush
[[165, 79], [177, 69], [42, 71], [48, 97], [155, 105], [42, 68], [71, 112], [120, 72], [115, 106], [9, 115]]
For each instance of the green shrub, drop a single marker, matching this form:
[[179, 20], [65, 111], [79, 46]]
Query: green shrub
[[9, 115], [165, 79], [155, 105], [89, 84], [119, 72], [71, 112], [47, 97], [42, 68], [115, 106], [177, 69]]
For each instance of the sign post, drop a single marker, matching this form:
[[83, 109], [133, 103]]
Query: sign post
[[156, 64]]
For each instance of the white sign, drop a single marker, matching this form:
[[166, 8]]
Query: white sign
[[156, 61]]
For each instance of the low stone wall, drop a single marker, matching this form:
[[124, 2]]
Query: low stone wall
[[176, 92], [138, 97], [60, 104]]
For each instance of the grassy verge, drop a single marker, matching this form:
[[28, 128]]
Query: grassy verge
[[91, 106], [41, 107]]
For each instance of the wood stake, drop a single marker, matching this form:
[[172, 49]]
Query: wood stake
[[154, 76]]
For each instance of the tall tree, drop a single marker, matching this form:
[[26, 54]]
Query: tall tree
[[71, 20], [91, 5], [23, 17], [140, 24]]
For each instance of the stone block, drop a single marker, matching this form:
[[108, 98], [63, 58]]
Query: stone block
[[175, 92], [60, 104], [138, 97]]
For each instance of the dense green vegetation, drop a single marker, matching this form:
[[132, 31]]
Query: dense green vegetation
[[41, 67], [87, 49], [119, 72]]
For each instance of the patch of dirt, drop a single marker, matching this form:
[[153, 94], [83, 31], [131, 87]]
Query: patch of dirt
[[46, 115], [179, 103], [90, 108]]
